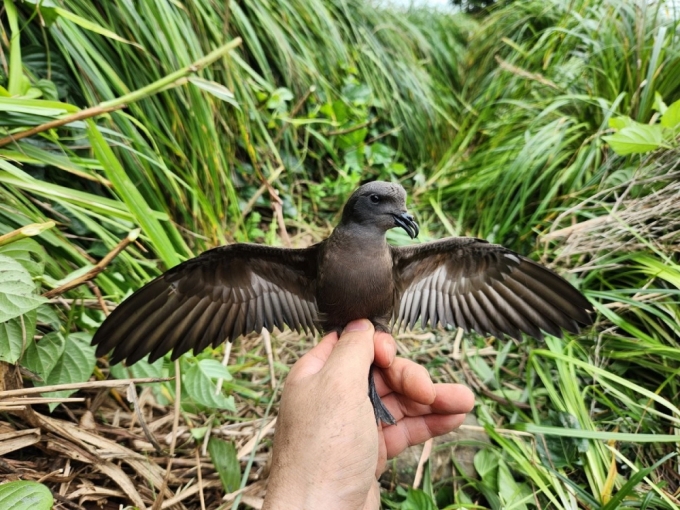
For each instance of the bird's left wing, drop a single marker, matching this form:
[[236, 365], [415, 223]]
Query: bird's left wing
[[469, 283], [221, 294]]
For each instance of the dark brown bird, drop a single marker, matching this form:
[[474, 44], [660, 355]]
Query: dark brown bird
[[240, 288]]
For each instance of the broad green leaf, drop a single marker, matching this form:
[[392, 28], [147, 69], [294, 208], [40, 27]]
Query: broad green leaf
[[560, 452], [75, 365], [216, 89], [141, 369], [25, 495], [486, 465], [381, 154], [17, 290], [28, 253], [354, 160], [619, 123], [16, 335], [278, 99], [223, 456], [47, 9], [47, 315], [509, 490], [397, 168], [214, 369], [198, 433], [337, 111], [199, 384], [659, 105], [635, 139], [671, 117], [417, 500], [43, 355], [352, 139]]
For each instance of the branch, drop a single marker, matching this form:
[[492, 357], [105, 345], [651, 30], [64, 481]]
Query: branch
[[82, 114], [121, 102], [98, 268]]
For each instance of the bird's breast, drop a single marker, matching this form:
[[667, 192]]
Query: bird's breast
[[355, 284]]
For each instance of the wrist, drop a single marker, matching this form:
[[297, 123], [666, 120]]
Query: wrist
[[309, 491]]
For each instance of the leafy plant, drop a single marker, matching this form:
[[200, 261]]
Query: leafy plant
[[25, 495], [633, 137]]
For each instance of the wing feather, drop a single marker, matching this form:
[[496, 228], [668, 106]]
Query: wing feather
[[222, 294], [469, 283]]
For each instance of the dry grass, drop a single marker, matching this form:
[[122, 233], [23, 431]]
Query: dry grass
[[104, 447], [633, 220]]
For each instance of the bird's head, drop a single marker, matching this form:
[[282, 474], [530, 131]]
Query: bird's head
[[382, 205]]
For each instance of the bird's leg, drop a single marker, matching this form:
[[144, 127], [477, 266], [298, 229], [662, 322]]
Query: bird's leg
[[381, 412]]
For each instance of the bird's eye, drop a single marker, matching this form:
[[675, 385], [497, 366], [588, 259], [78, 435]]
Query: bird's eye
[[375, 199]]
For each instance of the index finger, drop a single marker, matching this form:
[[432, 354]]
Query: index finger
[[315, 359]]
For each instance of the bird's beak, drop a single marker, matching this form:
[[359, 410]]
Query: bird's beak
[[406, 221]]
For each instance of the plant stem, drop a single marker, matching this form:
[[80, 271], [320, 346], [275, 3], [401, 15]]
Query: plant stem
[[172, 77]]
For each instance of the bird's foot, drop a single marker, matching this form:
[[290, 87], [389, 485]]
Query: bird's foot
[[381, 412]]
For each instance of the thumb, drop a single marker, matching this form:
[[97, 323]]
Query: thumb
[[354, 351]]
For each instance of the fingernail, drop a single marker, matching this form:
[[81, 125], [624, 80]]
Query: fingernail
[[359, 325]]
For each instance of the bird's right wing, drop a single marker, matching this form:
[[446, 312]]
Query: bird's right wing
[[469, 283], [221, 294]]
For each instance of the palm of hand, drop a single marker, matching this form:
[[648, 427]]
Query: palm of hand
[[327, 448]]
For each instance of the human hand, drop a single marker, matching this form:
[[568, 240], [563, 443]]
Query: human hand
[[328, 451]]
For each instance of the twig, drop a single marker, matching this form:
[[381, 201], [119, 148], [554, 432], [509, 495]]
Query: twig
[[253, 443], [132, 397], [427, 450], [272, 177], [98, 268], [348, 130], [484, 390], [278, 212], [77, 386], [175, 425], [87, 303], [208, 432], [395, 129], [100, 298], [39, 400], [123, 101], [270, 357], [187, 493], [293, 113], [200, 479], [82, 114], [64, 500], [174, 77], [225, 362]]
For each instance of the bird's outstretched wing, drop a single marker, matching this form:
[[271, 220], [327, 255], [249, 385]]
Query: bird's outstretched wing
[[467, 282], [221, 294]]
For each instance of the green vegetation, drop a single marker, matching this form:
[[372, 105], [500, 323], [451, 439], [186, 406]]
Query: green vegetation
[[550, 127]]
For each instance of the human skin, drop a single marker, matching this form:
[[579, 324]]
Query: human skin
[[328, 451]]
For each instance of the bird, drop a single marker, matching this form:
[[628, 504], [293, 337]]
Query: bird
[[236, 289]]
